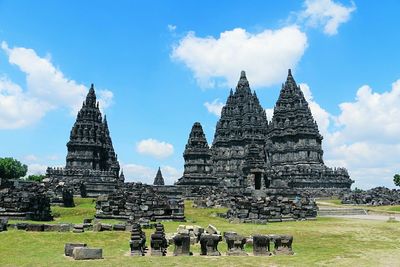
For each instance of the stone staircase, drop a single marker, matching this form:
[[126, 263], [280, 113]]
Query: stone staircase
[[328, 211]]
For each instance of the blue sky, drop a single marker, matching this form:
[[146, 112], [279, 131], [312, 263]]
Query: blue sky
[[159, 66]]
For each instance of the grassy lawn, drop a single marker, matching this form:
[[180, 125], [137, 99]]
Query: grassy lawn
[[325, 242]]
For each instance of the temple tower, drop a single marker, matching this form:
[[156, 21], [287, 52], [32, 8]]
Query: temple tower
[[293, 136], [243, 121], [293, 146], [90, 146], [197, 156], [159, 179]]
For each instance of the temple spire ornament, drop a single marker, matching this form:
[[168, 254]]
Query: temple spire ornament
[[159, 179]]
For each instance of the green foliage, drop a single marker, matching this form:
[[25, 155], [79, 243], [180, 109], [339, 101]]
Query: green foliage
[[11, 168], [37, 178], [396, 179]]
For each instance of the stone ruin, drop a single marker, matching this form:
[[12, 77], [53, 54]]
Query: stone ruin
[[92, 167], [209, 241], [235, 244], [135, 201], [138, 241], [271, 209], [24, 200], [210, 237], [158, 241], [377, 196]]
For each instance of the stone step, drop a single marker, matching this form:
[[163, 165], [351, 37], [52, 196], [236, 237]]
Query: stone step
[[341, 211]]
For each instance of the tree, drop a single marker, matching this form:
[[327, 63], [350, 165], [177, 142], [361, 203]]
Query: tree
[[396, 179], [11, 168], [37, 178]]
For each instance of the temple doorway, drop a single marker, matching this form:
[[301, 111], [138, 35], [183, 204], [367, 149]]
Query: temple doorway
[[257, 181]]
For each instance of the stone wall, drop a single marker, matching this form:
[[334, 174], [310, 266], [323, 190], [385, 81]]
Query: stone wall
[[84, 182], [24, 200], [136, 200], [375, 197], [271, 209]]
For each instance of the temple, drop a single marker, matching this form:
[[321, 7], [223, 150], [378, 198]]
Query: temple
[[92, 166], [284, 155], [159, 179], [294, 146], [198, 165], [243, 122]]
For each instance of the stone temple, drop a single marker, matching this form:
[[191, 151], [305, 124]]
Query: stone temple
[[243, 122], [198, 165], [92, 166], [249, 152]]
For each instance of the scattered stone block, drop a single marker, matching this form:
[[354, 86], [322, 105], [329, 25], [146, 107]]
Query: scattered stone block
[[159, 243], [283, 244], [261, 245], [35, 227], [235, 244], [119, 227], [69, 247], [78, 228], [182, 244], [138, 241], [209, 244], [85, 253]]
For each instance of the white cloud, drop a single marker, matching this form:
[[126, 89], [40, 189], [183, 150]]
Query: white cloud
[[171, 27], [31, 158], [265, 56], [214, 107], [145, 174], [155, 148], [36, 169], [364, 136], [326, 13], [46, 88]]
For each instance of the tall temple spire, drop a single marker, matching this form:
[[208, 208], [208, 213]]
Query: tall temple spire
[[197, 156], [91, 97], [242, 120], [90, 145], [159, 180]]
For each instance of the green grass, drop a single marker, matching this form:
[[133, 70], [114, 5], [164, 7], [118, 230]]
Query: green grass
[[325, 242]]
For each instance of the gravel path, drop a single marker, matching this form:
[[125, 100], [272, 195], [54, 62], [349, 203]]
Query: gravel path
[[367, 217]]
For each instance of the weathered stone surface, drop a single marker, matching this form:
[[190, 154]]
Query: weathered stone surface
[[159, 243], [182, 244], [209, 244], [24, 200], [139, 201], [282, 244], [119, 227], [85, 253], [69, 247], [373, 197], [78, 228], [235, 244], [35, 227], [261, 245]]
